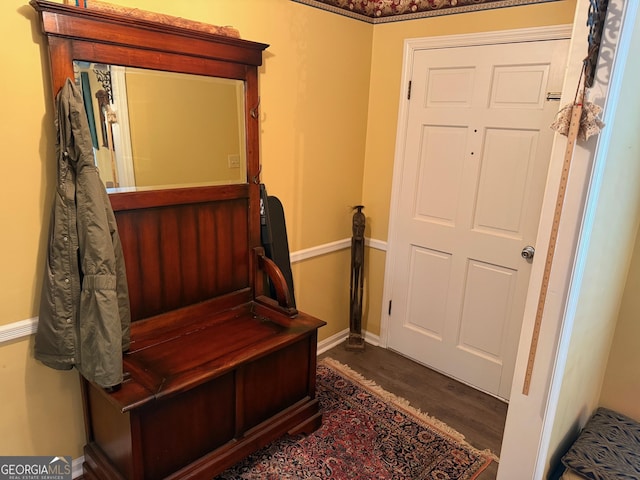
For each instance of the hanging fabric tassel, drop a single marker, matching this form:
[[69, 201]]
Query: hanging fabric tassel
[[590, 124]]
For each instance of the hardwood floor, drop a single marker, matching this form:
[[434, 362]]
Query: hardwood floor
[[478, 416]]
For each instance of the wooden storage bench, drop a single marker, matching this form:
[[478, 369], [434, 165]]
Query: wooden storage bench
[[220, 382]]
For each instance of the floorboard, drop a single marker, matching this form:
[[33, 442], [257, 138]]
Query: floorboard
[[478, 416]]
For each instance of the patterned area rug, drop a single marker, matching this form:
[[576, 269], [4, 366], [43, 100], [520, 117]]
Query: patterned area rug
[[366, 433]]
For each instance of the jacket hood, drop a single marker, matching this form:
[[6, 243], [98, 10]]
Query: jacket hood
[[75, 134]]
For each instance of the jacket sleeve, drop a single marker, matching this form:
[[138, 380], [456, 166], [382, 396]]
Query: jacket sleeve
[[89, 327], [103, 313]]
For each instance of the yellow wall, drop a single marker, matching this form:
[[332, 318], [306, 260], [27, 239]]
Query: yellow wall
[[41, 408], [596, 372], [621, 387], [329, 88], [41, 412]]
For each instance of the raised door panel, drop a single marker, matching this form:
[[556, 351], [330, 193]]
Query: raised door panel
[[484, 320], [439, 177], [427, 290], [505, 181]]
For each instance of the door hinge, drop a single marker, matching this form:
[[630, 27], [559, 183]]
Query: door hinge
[[409, 91], [390, 306]]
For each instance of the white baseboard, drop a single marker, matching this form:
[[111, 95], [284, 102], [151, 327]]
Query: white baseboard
[[332, 341], [340, 337], [76, 467]]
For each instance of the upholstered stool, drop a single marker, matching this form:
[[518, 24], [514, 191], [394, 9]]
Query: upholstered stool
[[608, 448]]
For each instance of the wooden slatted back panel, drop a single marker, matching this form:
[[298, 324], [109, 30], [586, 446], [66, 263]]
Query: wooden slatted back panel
[[183, 249]]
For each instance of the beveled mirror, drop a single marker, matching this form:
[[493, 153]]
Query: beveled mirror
[[158, 129]]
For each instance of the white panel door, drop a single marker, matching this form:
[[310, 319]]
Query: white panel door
[[477, 149]]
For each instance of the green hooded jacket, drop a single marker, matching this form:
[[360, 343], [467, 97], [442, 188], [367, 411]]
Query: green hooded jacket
[[84, 313]]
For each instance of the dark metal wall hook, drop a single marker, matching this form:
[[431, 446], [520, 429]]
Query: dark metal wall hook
[[254, 111], [256, 178]]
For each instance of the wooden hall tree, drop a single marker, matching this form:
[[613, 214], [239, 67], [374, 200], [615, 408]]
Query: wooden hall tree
[[216, 369]]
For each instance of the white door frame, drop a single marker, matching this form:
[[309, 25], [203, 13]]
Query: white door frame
[[556, 32]]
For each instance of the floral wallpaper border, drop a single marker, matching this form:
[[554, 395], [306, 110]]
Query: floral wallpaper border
[[381, 11]]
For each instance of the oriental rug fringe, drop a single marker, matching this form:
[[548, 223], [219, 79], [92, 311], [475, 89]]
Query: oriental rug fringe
[[367, 433]]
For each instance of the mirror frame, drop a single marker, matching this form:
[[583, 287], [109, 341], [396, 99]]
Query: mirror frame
[[76, 33], [92, 35]]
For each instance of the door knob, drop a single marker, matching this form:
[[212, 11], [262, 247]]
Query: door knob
[[528, 252]]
